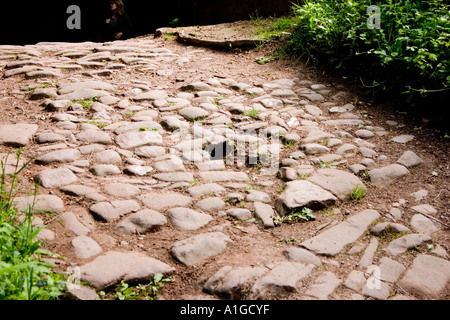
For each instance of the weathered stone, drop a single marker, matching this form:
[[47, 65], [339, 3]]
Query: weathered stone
[[186, 219], [107, 157], [231, 282], [95, 85], [333, 240], [141, 222], [324, 286], [314, 148], [213, 204], [59, 156], [283, 278], [53, 178], [131, 140], [223, 176], [403, 138], [94, 136], [150, 151], [49, 137], [376, 289], [17, 135], [410, 159], [40, 203], [159, 201], [410, 241], [384, 176], [265, 213], [421, 224], [301, 193], [390, 270], [257, 196], [71, 223], [367, 258], [151, 95], [111, 211], [195, 249], [338, 182], [302, 255], [174, 176], [425, 209], [205, 189], [85, 247], [102, 170], [193, 113], [240, 214], [77, 190], [428, 276], [121, 190], [355, 280], [169, 165], [112, 267]]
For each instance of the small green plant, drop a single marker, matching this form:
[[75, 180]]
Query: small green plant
[[23, 276], [289, 143], [140, 292], [305, 214], [87, 103], [253, 113], [358, 192]]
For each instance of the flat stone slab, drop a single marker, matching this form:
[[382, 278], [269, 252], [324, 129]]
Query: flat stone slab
[[112, 267], [332, 241], [403, 244], [198, 248], [205, 189], [302, 193], [59, 156], [95, 85], [386, 175], [42, 203], [174, 176], [338, 182], [223, 176], [53, 178], [265, 213], [159, 201], [86, 247], [130, 140], [111, 211], [151, 95], [428, 276], [410, 159], [187, 219], [17, 135]]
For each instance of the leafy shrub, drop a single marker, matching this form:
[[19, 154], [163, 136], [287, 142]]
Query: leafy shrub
[[409, 54]]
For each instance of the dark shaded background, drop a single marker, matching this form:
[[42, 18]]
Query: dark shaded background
[[45, 21]]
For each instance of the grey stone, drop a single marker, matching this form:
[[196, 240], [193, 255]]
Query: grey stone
[[388, 227], [257, 196], [421, 224], [410, 159], [205, 189], [283, 93], [364, 134], [159, 201], [172, 164], [131, 140], [193, 250], [231, 283], [121, 190], [137, 170], [425, 209], [223, 176], [367, 258], [59, 156], [150, 126], [111, 211], [186, 219], [49, 137], [71, 223], [302, 255], [390, 270], [355, 280], [102, 170], [313, 110], [174, 176], [141, 222], [428, 276], [85, 247], [150, 151], [193, 113], [17, 135], [83, 94], [333, 240], [95, 85], [53, 178], [324, 286], [112, 267], [376, 289], [402, 244], [40, 203], [77, 190], [386, 175], [107, 157], [151, 95], [240, 214], [301, 193], [314, 148], [338, 182], [265, 213], [283, 278], [213, 204], [94, 136], [405, 138]]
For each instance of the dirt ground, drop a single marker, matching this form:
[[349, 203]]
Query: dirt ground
[[262, 247]]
